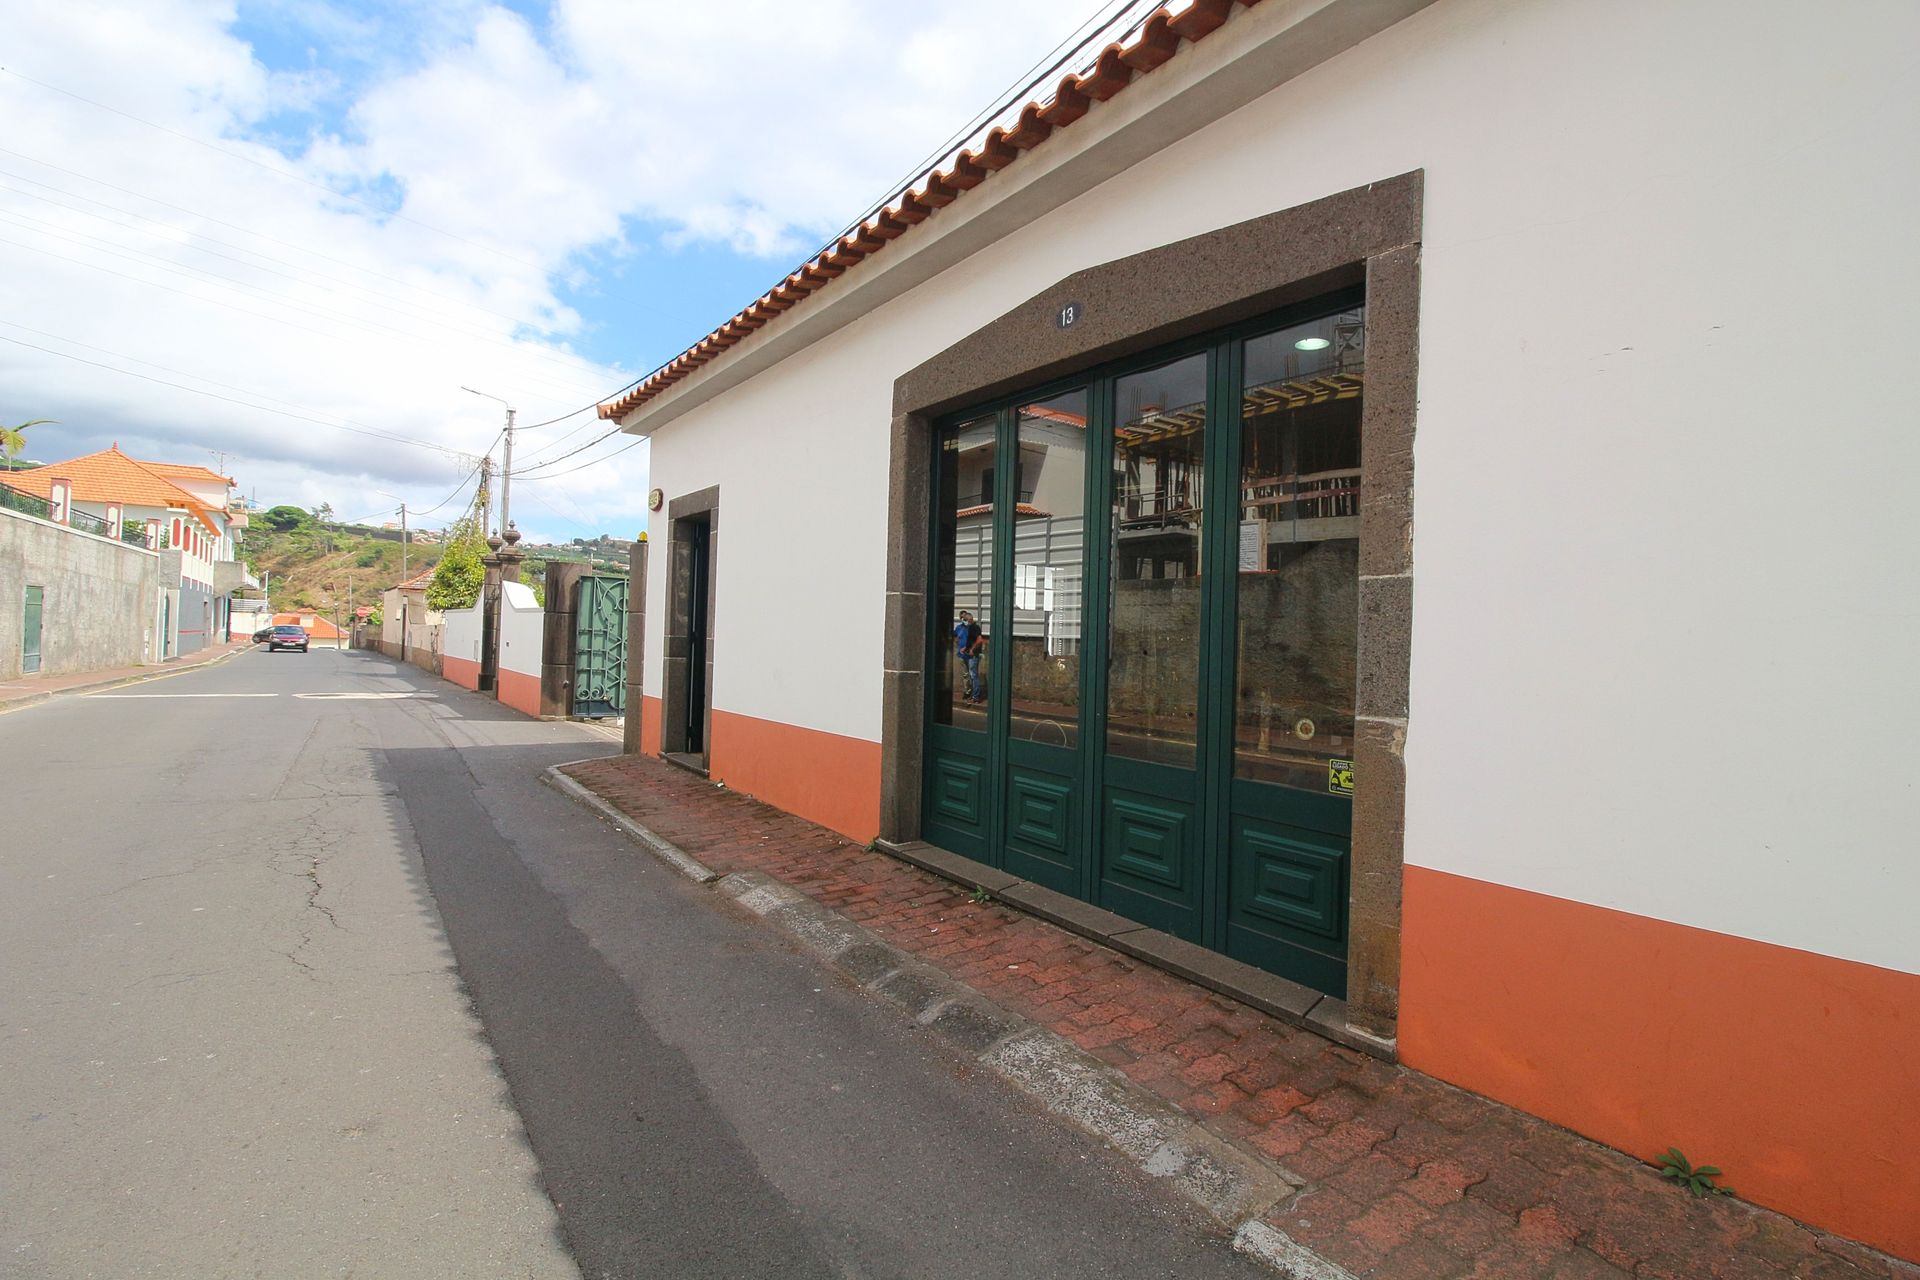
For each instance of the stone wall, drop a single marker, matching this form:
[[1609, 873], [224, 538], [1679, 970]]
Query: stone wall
[[98, 603]]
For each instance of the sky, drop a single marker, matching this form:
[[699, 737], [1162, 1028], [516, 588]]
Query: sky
[[278, 237]]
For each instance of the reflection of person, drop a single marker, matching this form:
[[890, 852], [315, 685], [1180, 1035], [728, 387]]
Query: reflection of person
[[968, 645]]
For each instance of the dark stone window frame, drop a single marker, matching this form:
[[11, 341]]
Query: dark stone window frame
[[1367, 236]]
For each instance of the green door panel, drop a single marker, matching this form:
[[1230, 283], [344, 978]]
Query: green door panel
[[956, 802], [1287, 901], [1043, 829], [1150, 846]]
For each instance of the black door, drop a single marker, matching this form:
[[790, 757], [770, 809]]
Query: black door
[[699, 586]]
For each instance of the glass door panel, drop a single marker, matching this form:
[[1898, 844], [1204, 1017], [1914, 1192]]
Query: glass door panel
[[964, 577], [1153, 634], [1297, 593], [1049, 544], [1150, 819], [1044, 642], [956, 803]]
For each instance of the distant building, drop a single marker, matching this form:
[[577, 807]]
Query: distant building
[[188, 513]]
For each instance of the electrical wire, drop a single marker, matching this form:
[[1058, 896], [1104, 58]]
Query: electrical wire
[[337, 426], [250, 292], [1014, 95], [1017, 94], [591, 462]]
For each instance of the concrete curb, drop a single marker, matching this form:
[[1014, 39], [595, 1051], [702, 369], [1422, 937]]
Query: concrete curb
[[1233, 1185], [35, 699], [666, 851]]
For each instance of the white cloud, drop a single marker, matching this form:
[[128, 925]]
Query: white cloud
[[190, 244]]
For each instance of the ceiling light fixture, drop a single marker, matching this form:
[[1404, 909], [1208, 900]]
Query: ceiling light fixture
[[1312, 344]]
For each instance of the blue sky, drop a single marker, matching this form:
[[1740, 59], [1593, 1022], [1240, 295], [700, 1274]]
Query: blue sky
[[541, 200]]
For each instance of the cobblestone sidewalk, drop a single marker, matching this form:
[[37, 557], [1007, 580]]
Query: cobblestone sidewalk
[[1408, 1178]]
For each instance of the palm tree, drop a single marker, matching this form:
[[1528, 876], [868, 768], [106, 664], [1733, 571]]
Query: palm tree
[[14, 439]]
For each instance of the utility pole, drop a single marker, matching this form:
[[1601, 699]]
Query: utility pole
[[506, 477], [506, 462], [403, 542], [485, 497]]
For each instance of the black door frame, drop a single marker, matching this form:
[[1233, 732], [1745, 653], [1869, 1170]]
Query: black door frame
[[693, 554]]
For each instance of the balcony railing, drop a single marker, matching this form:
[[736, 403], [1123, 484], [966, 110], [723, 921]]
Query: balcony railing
[[89, 524], [25, 503], [131, 532]]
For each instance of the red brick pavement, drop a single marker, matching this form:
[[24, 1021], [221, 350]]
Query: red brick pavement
[[1408, 1178]]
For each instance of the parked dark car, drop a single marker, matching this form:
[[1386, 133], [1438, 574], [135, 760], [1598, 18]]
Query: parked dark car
[[287, 637], [260, 636]]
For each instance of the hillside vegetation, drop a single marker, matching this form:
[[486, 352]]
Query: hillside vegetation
[[321, 567]]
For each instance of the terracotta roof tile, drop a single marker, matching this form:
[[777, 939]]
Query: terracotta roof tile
[[112, 476], [1157, 40], [185, 472]]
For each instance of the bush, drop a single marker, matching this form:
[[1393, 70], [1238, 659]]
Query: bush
[[458, 577]]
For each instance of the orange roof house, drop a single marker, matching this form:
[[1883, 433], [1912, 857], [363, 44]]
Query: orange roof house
[[112, 476]]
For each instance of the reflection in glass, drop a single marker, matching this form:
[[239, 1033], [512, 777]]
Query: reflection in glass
[[1154, 625], [963, 573], [1299, 551], [1049, 537]]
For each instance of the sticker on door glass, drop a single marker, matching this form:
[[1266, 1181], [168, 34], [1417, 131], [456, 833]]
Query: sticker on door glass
[[1340, 777]]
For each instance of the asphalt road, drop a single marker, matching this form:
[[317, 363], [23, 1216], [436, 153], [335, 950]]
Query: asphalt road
[[303, 972]]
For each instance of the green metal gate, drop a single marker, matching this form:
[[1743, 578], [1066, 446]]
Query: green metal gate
[[600, 647], [30, 640]]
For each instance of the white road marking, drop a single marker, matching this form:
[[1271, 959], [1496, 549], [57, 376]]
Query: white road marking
[[382, 696], [185, 695]]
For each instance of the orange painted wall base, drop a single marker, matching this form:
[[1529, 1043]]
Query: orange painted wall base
[[520, 691], [1799, 1074], [460, 671], [822, 777], [650, 709]]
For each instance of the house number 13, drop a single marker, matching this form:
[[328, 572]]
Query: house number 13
[[1069, 315]]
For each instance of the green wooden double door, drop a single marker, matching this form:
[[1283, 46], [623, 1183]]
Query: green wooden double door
[[1141, 659]]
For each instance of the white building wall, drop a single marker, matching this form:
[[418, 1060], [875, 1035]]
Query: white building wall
[[461, 637], [521, 624], [1662, 655]]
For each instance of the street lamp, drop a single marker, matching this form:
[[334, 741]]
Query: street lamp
[[506, 464]]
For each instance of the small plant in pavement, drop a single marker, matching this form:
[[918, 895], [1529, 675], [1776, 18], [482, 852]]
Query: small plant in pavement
[[1698, 1179], [979, 895]]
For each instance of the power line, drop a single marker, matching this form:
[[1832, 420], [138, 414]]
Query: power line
[[1018, 94], [591, 462], [361, 431], [252, 292], [247, 391]]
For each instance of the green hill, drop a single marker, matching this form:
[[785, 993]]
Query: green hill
[[324, 567]]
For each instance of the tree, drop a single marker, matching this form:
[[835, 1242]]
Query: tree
[[458, 577], [14, 439], [323, 512], [286, 519]]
